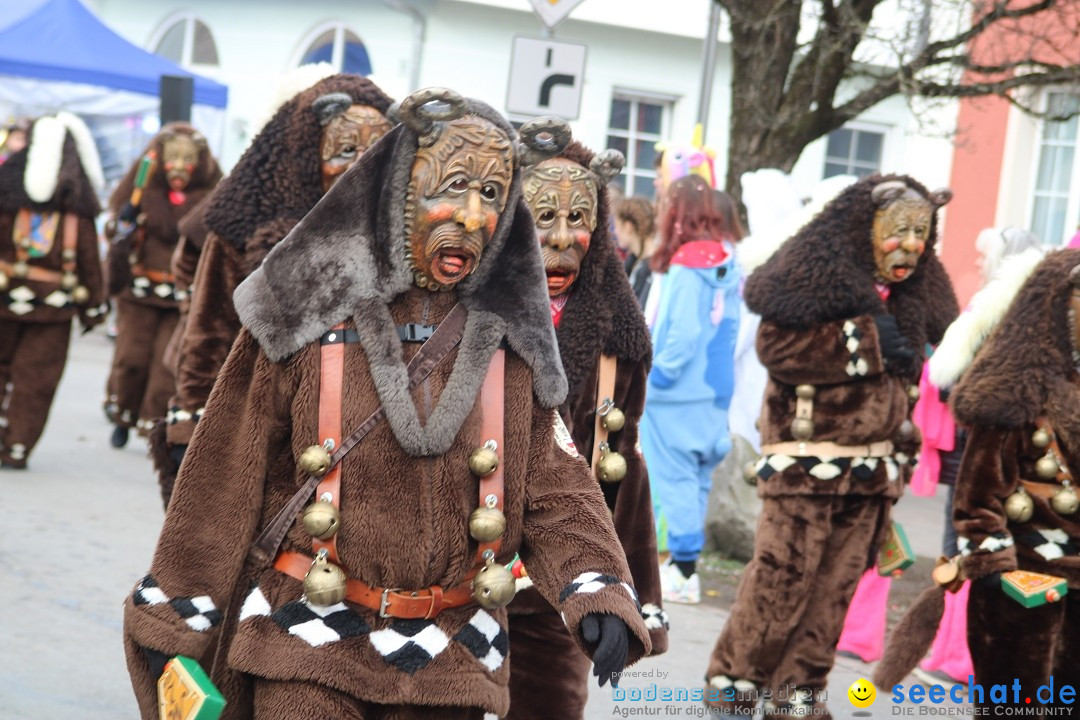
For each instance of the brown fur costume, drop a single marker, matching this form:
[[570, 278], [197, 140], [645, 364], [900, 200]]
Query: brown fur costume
[[406, 491], [822, 518], [1025, 371], [140, 383], [601, 316], [33, 344], [276, 183]]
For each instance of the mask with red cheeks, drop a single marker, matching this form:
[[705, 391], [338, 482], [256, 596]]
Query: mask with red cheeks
[[562, 197], [901, 231], [346, 137], [179, 157], [457, 191]]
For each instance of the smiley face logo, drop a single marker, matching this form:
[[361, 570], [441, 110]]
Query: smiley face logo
[[862, 693]]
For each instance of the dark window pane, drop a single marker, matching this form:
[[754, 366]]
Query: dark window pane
[[620, 182], [204, 51], [649, 118], [620, 114], [868, 147], [839, 144], [350, 36], [356, 59], [835, 169], [619, 143], [171, 44], [644, 154], [862, 170]]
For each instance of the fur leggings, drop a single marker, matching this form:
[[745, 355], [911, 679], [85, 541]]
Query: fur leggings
[[809, 553], [276, 700], [549, 676], [140, 383], [32, 359]]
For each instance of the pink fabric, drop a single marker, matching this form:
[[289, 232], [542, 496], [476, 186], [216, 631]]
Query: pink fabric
[[1075, 242], [949, 654], [938, 434], [864, 626]]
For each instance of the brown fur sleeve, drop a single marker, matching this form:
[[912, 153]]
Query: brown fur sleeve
[[212, 517], [88, 267], [830, 353], [212, 325], [569, 544], [988, 475]]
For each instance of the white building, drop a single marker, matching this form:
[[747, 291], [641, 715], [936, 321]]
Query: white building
[[641, 84]]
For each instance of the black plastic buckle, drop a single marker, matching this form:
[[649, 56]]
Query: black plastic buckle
[[415, 332]]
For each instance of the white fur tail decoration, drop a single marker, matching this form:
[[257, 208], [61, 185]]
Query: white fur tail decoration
[[292, 84], [43, 159], [969, 331], [88, 152]]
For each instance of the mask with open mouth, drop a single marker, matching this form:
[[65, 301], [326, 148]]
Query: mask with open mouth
[[348, 130], [457, 189], [900, 233], [562, 197], [180, 156]]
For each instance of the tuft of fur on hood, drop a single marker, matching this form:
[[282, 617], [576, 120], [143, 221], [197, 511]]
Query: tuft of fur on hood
[[968, 332], [346, 258], [48, 175], [87, 148], [43, 157], [292, 84]]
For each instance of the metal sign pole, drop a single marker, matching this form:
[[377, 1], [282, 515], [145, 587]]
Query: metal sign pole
[[709, 67]]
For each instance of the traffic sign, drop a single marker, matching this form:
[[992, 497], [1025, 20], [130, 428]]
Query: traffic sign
[[546, 78], [553, 12]]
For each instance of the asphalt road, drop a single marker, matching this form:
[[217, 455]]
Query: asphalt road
[[79, 528]]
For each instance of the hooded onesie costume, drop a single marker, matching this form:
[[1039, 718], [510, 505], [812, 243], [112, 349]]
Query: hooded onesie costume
[[141, 279], [599, 318], [274, 184], [50, 271], [344, 277], [1024, 380], [843, 352]]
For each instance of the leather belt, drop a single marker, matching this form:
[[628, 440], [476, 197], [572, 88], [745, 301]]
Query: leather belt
[[331, 378], [1044, 490], [882, 448], [33, 273], [387, 602], [155, 276], [605, 395]]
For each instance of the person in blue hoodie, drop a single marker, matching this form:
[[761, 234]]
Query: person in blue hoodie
[[684, 429]]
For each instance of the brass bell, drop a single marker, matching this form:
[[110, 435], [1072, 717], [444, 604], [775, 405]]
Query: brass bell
[[68, 281], [80, 295], [614, 420], [1047, 467], [21, 269], [802, 429], [324, 583], [494, 586], [1065, 501], [806, 392], [907, 429], [749, 471], [1019, 507], [487, 524], [315, 460], [913, 393], [484, 460], [4, 282], [321, 519], [1040, 438], [612, 465]]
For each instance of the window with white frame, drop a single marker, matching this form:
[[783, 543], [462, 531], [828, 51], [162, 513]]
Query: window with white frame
[[637, 123], [185, 40], [853, 151], [1057, 191], [336, 44]]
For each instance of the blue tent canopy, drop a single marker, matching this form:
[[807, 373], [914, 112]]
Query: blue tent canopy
[[63, 40]]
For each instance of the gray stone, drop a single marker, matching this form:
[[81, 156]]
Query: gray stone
[[733, 504]]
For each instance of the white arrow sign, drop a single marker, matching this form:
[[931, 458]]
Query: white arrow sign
[[553, 12], [546, 78]]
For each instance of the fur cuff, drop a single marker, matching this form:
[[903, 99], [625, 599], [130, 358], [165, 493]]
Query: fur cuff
[[979, 564], [593, 592]]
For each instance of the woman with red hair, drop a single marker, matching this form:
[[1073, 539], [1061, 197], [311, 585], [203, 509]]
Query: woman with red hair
[[684, 430]]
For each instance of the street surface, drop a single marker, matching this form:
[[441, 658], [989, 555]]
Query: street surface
[[79, 530]]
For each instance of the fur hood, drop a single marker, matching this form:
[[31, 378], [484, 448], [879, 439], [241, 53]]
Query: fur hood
[[279, 175], [346, 258], [602, 315], [193, 224], [50, 174], [1027, 368], [967, 334], [825, 272]]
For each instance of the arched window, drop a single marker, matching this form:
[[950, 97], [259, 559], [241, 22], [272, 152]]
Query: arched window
[[338, 45], [185, 40]]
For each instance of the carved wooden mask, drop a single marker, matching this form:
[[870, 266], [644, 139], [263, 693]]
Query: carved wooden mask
[[901, 231], [346, 137], [563, 199], [179, 158]]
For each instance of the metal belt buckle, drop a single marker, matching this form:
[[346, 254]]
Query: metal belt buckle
[[384, 601]]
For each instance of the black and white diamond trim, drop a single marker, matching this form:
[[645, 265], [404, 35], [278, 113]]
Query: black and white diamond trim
[[144, 287], [316, 624], [23, 300], [591, 582], [176, 414], [485, 639], [409, 645], [856, 366], [827, 468], [990, 544], [199, 612], [655, 617], [1052, 544]]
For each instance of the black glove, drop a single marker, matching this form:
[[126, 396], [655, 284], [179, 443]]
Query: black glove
[[611, 637], [129, 213], [156, 660], [896, 349], [176, 454]]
